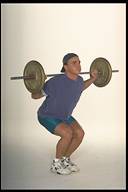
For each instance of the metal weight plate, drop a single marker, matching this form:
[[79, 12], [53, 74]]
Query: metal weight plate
[[104, 71], [35, 69]]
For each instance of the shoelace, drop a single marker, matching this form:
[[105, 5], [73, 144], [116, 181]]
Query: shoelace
[[57, 164], [67, 162], [60, 165]]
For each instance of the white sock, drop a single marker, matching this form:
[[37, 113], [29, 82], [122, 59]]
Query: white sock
[[64, 157], [56, 159]]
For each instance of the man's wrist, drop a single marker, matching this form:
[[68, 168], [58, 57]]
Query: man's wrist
[[93, 78]]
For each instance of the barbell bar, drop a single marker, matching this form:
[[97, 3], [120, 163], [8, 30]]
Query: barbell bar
[[34, 76], [50, 75], [23, 77]]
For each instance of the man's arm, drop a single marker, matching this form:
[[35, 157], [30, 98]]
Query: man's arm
[[89, 81]]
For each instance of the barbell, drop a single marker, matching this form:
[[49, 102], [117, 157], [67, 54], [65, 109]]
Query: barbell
[[34, 76]]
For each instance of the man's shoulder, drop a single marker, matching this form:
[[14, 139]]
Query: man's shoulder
[[55, 78], [80, 78]]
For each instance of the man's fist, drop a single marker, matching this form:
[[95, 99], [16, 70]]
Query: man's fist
[[36, 95], [94, 74]]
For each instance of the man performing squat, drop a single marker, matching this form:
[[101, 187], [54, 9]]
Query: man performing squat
[[62, 93]]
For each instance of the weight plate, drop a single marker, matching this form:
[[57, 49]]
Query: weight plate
[[34, 68], [104, 69]]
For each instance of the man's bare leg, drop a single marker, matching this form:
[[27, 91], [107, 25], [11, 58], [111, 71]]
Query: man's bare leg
[[77, 137], [65, 132]]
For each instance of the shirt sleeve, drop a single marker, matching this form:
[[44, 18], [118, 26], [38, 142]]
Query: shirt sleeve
[[82, 83], [43, 93], [48, 88]]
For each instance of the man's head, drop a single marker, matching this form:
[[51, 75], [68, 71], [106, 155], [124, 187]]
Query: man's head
[[71, 62]]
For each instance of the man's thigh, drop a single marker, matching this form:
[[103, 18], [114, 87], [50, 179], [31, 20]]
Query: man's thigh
[[76, 127]]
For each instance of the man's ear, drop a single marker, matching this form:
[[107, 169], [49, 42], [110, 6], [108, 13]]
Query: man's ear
[[65, 67]]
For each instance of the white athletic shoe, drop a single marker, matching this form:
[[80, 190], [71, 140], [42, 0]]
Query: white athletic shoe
[[58, 167], [69, 164]]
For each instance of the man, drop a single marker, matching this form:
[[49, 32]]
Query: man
[[62, 93]]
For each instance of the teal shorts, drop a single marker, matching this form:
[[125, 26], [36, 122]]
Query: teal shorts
[[51, 123]]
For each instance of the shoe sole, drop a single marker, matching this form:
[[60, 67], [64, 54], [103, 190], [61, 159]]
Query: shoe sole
[[54, 171]]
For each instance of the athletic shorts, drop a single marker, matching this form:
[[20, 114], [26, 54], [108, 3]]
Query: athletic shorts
[[51, 123]]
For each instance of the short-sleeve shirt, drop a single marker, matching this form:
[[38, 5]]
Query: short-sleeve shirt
[[62, 95]]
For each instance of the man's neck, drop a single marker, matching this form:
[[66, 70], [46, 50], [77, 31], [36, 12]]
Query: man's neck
[[71, 76]]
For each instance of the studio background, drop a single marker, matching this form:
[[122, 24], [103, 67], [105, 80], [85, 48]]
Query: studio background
[[46, 32]]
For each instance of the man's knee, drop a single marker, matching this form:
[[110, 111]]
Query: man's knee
[[64, 131], [79, 133]]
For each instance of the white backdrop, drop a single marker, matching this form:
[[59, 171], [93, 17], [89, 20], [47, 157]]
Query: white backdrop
[[46, 32]]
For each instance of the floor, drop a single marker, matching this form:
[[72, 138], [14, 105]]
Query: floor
[[26, 160]]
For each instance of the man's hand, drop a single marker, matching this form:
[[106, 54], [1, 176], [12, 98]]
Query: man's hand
[[36, 95], [94, 74], [93, 77]]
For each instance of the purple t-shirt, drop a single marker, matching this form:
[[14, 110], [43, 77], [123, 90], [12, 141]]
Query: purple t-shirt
[[62, 96]]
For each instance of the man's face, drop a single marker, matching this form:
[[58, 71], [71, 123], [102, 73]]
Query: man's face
[[73, 65]]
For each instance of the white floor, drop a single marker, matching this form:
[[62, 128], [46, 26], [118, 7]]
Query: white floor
[[26, 161]]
